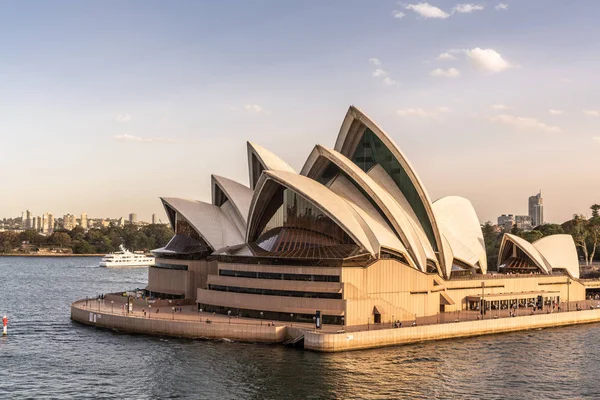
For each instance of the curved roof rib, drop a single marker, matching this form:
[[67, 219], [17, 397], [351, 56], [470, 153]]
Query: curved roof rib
[[358, 127], [211, 222], [527, 248], [331, 204], [261, 159], [391, 212], [560, 252], [460, 225], [238, 195]]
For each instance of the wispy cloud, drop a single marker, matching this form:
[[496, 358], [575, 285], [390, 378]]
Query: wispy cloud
[[422, 113], [379, 72], [446, 57], [375, 61], [449, 73], [389, 81], [467, 8], [130, 138], [591, 113], [501, 6], [123, 117], [398, 14], [499, 106], [556, 112], [524, 123], [488, 60], [426, 10], [256, 108]]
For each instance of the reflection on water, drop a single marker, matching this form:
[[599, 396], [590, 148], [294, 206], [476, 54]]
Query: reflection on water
[[48, 356]]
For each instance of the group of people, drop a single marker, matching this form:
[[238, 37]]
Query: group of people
[[397, 324]]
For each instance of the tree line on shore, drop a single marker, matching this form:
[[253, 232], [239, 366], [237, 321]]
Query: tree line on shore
[[585, 232], [93, 241]]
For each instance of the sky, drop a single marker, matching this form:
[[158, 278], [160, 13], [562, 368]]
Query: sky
[[107, 105]]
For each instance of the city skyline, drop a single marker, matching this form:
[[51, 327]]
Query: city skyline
[[141, 100]]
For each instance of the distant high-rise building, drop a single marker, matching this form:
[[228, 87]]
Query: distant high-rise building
[[69, 221], [121, 221], [50, 223], [23, 220], [536, 209], [506, 222], [133, 218], [33, 224], [38, 224], [153, 218], [84, 221], [523, 222], [28, 220]]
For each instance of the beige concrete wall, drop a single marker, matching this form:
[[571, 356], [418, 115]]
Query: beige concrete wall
[[386, 337], [296, 305], [286, 269], [240, 332], [323, 287], [171, 281], [403, 292], [164, 280]]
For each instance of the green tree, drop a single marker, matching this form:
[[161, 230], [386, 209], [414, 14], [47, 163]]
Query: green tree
[[595, 210], [492, 240], [60, 239], [9, 241], [32, 237], [550, 229], [83, 247], [531, 236]]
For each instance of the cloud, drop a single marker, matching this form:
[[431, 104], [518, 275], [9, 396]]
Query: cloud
[[389, 81], [398, 14], [379, 72], [596, 139], [129, 138], [420, 112], [255, 108], [501, 6], [591, 113], [426, 10], [446, 56], [524, 123], [450, 73], [375, 61], [499, 106], [555, 112], [123, 118], [467, 8], [488, 60]]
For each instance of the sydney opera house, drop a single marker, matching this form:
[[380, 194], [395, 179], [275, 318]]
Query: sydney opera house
[[354, 236]]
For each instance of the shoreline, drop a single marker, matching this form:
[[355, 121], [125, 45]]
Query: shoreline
[[324, 341]]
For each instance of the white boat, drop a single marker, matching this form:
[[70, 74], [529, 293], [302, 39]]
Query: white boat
[[126, 258]]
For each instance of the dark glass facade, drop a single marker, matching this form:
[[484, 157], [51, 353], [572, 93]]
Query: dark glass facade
[[279, 276], [295, 223], [269, 315], [370, 152], [273, 292]]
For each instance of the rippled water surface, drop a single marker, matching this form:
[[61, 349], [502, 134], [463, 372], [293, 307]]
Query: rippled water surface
[[48, 356]]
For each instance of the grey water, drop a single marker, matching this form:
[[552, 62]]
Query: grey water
[[47, 356]]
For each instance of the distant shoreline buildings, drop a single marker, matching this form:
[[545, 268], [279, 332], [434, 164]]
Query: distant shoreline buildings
[[525, 222]]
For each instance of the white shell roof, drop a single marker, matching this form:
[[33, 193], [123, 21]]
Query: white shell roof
[[560, 252], [210, 221], [346, 136], [460, 225], [393, 210], [239, 195], [331, 204], [528, 248], [268, 160]]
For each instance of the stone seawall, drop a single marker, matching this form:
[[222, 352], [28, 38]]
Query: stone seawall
[[187, 329], [329, 342]]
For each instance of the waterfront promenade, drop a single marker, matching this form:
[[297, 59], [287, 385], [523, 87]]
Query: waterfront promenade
[[184, 320]]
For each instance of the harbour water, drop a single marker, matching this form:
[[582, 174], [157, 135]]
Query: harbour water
[[48, 356]]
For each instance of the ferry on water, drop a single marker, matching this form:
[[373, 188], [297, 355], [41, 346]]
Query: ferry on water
[[126, 258]]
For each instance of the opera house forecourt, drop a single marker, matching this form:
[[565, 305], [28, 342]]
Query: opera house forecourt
[[353, 242]]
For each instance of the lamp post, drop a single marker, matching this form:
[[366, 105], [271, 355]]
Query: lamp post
[[482, 300], [261, 318], [343, 320], [173, 308], [292, 319], [392, 320], [315, 322], [568, 294], [112, 306], [229, 315], [199, 314], [149, 310]]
